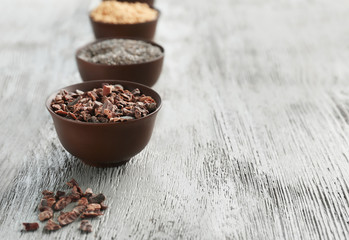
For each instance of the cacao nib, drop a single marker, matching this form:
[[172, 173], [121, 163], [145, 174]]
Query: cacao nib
[[47, 213], [97, 198], [47, 193], [59, 194], [72, 115], [103, 206], [62, 113], [111, 103], [74, 197], [91, 214], [31, 226], [67, 217], [79, 209], [83, 201], [107, 89], [62, 203], [72, 183], [75, 101], [51, 201], [88, 192], [52, 226], [56, 107], [93, 207], [77, 190], [85, 226], [43, 204]]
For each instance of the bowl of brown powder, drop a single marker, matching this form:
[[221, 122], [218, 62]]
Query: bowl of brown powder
[[121, 59], [124, 19]]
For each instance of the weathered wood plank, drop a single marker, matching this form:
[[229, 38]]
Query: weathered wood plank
[[251, 143]]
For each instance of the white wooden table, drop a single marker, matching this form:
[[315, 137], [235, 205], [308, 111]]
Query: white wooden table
[[251, 142]]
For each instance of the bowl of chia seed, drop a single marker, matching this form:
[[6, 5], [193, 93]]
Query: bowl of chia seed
[[132, 60]]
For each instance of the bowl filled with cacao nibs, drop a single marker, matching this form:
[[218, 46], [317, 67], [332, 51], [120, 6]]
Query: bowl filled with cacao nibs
[[104, 123], [121, 58], [124, 19]]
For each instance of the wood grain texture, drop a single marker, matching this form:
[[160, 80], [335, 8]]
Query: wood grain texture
[[251, 142]]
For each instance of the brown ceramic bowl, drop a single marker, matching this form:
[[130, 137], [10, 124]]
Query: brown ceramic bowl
[[146, 73], [149, 2], [144, 30], [105, 144]]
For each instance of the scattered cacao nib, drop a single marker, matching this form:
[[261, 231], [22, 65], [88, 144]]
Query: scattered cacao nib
[[91, 214], [52, 226], [86, 226], [46, 208], [47, 193], [103, 206], [83, 201], [59, 194], [51, 201], [74, 197], [67, 217], [89, 205], [97, 198], [43, 204], [72, 183], [79, 209], [47, 213], [77, 190], [88, 192], [111, 103], [93, 207], [31, 226], [62, 203], [75, 186]]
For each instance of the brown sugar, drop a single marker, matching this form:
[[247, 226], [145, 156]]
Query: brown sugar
[[123, 12]]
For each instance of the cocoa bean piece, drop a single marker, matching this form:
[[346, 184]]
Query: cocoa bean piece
[[85, 226], [97, 198], [91, 214], [67, 217], [52, 226], [62, 203], [59, 194], [83, 201], [31, 226], [93, 207], [103, 206], [46, 214]]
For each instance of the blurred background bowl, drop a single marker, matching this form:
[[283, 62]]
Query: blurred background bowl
[[146, 73], [144, 30], [105, 144], [149, 2]]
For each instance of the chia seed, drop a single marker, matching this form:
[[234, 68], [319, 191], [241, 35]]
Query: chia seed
[[120, 52]]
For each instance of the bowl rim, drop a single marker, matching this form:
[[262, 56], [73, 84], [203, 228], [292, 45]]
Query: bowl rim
[[121, 65], [127, 24], [50, 97]]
